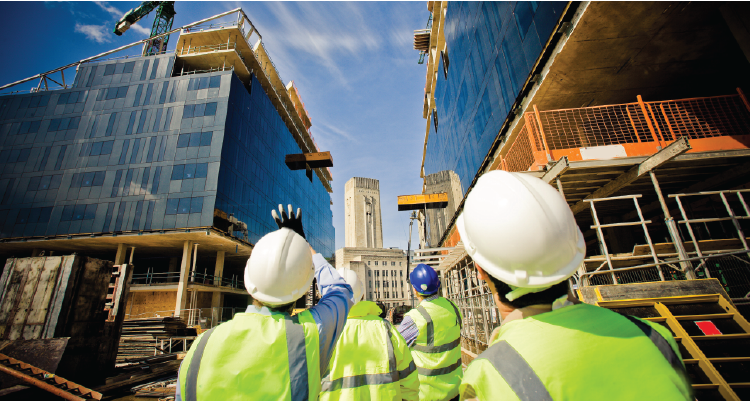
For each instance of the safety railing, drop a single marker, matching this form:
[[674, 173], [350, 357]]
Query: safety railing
[[184, 51], [640, 128], [161, 278]]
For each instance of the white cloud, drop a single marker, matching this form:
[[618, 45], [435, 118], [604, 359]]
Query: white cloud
[[140, 29], [97, 33], [110, 9]]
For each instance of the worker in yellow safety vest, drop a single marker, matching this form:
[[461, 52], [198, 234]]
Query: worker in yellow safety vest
[[371, 360], [265, 353], [433, 332], [525, 243]]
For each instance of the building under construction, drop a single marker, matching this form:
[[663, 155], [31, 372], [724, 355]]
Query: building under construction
[[164, 165], [637, 113]]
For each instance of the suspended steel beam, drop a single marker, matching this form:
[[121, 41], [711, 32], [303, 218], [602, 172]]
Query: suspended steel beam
[[423, 201]]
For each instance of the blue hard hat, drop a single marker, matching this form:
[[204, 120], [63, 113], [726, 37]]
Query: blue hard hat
[[424, 279]]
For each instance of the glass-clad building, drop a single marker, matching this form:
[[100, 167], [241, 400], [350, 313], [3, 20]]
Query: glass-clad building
[[491, 48], [130, 147]]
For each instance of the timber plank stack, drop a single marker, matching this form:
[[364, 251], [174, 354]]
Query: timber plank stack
[[139, 336]]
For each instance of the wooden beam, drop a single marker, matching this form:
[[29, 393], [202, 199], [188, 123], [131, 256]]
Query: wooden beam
[[671, 151], [556, 171]]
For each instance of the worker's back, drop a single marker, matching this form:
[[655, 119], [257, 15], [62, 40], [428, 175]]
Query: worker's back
[[371, 360], [256, 356], [437, 349], [580, 352]]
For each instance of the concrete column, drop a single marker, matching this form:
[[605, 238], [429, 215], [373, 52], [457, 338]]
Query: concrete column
[[182, 286], [217, 298], [219, 267], [120, 256], [173, 265]]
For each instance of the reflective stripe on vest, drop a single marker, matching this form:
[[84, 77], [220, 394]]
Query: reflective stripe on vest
[[516, 372], [429, 333], [525, 383], [392, 376], [190, 385], [298, 362]]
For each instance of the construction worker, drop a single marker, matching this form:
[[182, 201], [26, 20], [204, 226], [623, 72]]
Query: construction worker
[[371, 360], [265, 353], [433, 332], [525, 243]]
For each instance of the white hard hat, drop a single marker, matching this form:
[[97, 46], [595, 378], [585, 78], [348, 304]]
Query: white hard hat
[[520, 230], [354, 281], [280, 268]]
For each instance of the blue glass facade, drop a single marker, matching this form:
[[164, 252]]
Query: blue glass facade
[[492, 48], [253, 178], [130, 147]]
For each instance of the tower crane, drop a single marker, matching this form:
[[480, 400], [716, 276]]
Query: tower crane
[[165, 14]]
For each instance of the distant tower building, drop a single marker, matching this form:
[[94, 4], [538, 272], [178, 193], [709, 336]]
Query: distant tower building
[[362, 208], [438, 219]]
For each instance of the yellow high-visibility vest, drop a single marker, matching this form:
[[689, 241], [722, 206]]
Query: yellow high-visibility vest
[[254, 356], [579, 352], [437, 349], [371, 360]]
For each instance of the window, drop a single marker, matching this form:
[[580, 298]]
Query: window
[[129, 67], [198, 83], [90, 179], [194, 139], [199, 110], [368, 265], [189, 171], [117, 93], [35, 215], [34, 101], [15, 155], [29, 127], [109, 69], [376, 263], [101, 148], [369, 273], [393, 263], [79, 212], [72, 97], [61, 124], [44, 182], [184, 205], [215, 82]]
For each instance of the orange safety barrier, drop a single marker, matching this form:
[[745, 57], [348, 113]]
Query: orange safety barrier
[[637, 129]]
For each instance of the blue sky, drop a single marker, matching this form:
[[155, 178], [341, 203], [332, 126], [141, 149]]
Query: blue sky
[[353, 64]]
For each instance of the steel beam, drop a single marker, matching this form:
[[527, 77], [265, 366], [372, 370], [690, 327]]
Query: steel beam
[[671, 151]]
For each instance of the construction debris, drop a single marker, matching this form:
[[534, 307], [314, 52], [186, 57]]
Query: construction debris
[[46, 381], [160, 367], [157, 389], [143, 338]]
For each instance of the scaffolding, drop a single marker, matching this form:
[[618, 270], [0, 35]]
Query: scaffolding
[[658, 189]]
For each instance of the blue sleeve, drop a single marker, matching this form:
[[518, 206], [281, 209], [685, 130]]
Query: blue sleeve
[[409, 330], [331, 311]]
